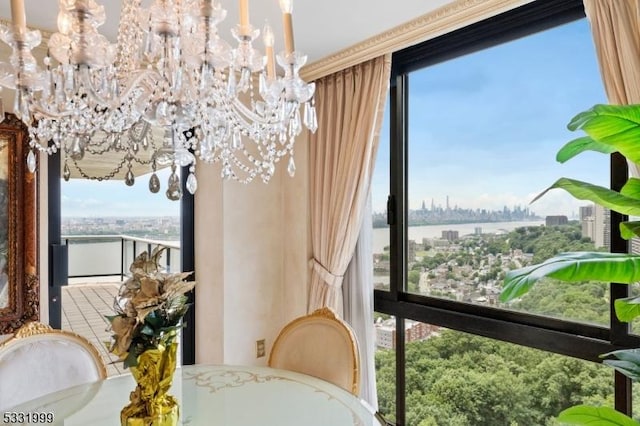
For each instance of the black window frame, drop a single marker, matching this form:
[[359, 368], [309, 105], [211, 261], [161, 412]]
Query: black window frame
[[579, 340]]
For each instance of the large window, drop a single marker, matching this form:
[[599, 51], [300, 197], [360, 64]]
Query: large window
[[475, 119]]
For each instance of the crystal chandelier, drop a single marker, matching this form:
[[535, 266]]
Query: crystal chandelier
[[169, 74]]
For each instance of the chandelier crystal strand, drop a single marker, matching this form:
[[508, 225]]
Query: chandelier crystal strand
[[171, 73]]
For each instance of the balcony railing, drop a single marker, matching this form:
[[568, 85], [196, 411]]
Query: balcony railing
[[111, 255]]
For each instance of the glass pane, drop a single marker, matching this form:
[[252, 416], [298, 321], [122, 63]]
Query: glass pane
[[385, 365], [454, 378], [379, 193], [483, 133]]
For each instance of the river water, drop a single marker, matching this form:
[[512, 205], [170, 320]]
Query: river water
[[417, 233]]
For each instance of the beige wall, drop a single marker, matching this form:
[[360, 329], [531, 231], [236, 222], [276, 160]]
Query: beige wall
[[251, 257]]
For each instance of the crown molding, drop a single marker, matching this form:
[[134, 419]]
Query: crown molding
[[450, 17]]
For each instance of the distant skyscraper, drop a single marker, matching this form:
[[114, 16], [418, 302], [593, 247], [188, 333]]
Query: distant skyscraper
[[424, 207], [556, 220], [447, 202], [595, 221], [586, 211], [450, 235]]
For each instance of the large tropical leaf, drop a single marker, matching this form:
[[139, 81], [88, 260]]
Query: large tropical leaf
[[631, 189], [614, 125], [595, 416], [573, 267], [582, 144], [598, 194], [629, 230], [628, 308], [627, 362]]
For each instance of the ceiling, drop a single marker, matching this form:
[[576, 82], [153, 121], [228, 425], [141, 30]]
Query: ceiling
[[321, 28]]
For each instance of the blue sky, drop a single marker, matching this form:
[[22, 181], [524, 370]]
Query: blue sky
[[484, 128], [85, 198]]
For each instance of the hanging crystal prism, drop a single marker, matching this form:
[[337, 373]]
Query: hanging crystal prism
[[31, 162], [226, 171], [129, 178], [291, 168], [310, 118], [174, 192], [67, 172], [236, 142], [192, 183], [77, 149], [154, 183]]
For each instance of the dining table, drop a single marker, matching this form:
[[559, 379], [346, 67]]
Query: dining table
[[211, 395]]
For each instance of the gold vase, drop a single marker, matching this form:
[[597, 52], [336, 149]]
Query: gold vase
[[150, 404]]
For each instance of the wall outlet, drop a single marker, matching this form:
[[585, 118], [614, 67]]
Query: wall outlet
[[260, 350]]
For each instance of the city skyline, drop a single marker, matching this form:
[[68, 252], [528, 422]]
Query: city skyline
[[455, 206]]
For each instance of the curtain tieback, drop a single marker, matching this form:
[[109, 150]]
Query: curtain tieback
[[331, 279]]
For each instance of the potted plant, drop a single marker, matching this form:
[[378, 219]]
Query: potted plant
[[149, 310], [608, 128]]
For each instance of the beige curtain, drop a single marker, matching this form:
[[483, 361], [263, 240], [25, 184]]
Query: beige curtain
[[342, 152], [615, 25]]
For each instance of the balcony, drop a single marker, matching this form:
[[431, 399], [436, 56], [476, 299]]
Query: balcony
[[98, 265]]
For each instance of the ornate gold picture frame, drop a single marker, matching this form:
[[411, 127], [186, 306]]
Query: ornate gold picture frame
[[19, 284]]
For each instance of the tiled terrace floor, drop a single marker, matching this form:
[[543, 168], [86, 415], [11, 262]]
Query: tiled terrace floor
[[84, 307]]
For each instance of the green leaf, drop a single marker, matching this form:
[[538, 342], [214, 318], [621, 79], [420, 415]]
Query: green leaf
[[573, 267], [629, 230], [632, 371], [627, 309], [614, 125], [131, 360], [628, 362], [146, 330], [598, 194], [595, 416], [582, 144], [153, 319], [631, 189]]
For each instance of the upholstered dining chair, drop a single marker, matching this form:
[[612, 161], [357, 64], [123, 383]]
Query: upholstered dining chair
[[38, 360], [321, 345]]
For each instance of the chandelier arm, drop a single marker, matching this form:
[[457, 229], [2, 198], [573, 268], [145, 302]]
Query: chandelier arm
[[37, 108], [244, 111], [132, 84]]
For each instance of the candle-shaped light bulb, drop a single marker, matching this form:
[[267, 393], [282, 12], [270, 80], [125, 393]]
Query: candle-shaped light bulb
[[244, 17], [64, 23], [286, 6], [268, 39], [267, 35], [287, 24], [18, 16]]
